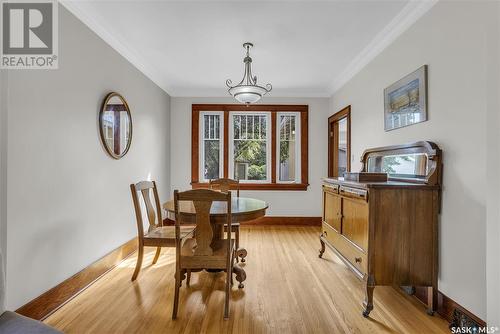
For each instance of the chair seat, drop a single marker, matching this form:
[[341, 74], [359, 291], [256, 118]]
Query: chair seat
[[165, 235], [215, 261]]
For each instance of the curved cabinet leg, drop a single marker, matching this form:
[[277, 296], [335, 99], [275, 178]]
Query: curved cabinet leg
[[368, 302], [322, 249]]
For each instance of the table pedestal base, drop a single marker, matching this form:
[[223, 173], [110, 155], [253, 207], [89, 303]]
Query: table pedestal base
[[241, 275]]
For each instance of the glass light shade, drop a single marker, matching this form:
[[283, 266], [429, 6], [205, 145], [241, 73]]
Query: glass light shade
[[247, 93]]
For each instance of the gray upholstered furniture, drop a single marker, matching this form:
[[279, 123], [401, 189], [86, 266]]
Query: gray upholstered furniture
[[13, 323]]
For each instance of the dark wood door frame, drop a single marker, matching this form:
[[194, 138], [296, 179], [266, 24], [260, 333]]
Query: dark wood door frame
[[332, 140]]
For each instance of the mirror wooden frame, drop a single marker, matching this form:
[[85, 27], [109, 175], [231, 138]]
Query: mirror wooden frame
[[108, 97], [434, 162]]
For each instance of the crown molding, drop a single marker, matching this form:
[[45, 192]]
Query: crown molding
[[397, 26], [405, 19], [222, 92], [115, 42]]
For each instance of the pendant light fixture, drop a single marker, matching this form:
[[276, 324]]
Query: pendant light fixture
[[248, 91]]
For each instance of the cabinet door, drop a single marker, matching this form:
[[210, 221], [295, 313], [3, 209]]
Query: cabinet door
[[355, 221], [331, 210]]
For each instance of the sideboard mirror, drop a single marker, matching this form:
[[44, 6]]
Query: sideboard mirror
[[409, 165], [413, 162], [115, 125]]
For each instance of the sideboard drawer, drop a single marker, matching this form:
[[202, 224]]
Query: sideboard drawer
[[345, 247], [334, 188], [329, 233], [354, 193], [352, 253]]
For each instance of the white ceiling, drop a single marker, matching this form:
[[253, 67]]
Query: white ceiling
[[304, 48]]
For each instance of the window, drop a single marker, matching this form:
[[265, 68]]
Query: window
[[250, 157], [211, 145], [288, 147], [263, 146], [342, 146]]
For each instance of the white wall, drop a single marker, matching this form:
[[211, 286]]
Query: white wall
[[297, 203], [69, 202], [492, 175], [3, 183], [452, 38]]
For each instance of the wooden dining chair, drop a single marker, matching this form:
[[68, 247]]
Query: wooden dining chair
[[157, 235], [203, 251], [224, 185]]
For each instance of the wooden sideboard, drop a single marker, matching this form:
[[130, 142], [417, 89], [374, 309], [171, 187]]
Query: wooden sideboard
[[387, 232]]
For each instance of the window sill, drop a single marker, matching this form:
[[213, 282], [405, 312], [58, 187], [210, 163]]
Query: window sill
[[261, 186]]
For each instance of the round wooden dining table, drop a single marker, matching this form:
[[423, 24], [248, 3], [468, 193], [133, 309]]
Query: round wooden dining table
[[242, 209]]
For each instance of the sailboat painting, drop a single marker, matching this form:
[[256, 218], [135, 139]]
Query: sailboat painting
[[406, 100]]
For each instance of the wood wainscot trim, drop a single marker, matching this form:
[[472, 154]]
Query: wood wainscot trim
[[283, 221], [453, 312], [47, 303]]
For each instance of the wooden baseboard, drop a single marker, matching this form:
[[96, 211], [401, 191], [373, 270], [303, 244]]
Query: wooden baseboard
[[273, 220], [447, 306], [44, 305], [295, 221]]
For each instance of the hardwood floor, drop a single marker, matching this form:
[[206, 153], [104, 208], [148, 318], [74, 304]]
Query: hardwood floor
[[288, 290]]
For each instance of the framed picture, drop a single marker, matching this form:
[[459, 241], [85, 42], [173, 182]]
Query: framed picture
[[406, 100]]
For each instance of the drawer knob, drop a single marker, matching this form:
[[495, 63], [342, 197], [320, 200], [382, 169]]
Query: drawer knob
[[357, 259], [325, 233]]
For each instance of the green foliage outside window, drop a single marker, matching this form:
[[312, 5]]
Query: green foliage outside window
[[252, 152], [389, 162]]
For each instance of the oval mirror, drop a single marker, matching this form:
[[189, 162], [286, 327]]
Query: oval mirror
[[115, 124]]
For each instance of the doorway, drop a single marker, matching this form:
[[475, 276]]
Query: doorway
[[339, 143]]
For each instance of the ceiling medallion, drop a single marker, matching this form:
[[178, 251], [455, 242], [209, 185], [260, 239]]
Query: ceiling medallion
[[248, 91]]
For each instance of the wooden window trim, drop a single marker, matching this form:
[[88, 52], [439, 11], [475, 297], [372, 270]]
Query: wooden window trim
[[269, 137], [222, 135], [278, 141], [344, 113], [273, 109]]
